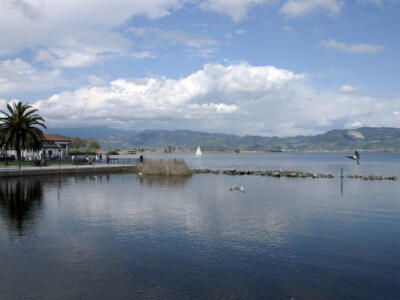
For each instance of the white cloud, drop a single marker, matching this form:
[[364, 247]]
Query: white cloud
[[301, 8], [18, 76], [236, 9], [73, 33], [239, 98], [143, 54], [348, 89], [210, 97], [353, 48], [96, 80]]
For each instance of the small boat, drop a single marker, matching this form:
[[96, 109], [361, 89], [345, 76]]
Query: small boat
[[198, 152]]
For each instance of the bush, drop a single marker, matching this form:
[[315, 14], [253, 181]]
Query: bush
[[171, 167], [112, 152]]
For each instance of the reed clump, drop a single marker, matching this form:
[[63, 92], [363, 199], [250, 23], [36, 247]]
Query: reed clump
[[170, 167]]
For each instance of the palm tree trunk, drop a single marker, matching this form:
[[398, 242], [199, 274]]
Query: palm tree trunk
[[19, 156]]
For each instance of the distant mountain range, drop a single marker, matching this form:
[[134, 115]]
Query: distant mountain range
[[365, 138]]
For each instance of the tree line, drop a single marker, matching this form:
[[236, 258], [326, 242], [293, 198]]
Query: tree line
[[82, 143]]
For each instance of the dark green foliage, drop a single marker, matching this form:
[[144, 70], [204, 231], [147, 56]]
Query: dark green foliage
[[112, 152], [94, 144], [18, 128]]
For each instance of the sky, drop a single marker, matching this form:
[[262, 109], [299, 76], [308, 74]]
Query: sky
[[246, 67]]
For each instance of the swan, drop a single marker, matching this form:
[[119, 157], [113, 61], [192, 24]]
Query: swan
[[237, 188]]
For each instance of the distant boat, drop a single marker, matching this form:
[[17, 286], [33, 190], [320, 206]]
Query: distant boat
[[198, 152]]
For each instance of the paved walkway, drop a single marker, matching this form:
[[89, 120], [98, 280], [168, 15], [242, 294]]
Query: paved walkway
[[63, 169]]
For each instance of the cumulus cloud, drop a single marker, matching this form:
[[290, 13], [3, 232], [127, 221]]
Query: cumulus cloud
[[210, 99], [238, 98], [301, 8], [236, 9], [352, 48]]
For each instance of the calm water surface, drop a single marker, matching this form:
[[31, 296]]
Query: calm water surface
[[372, 163], [124, 237]]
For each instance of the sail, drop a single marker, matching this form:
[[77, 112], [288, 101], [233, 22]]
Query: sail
[[198, 152]]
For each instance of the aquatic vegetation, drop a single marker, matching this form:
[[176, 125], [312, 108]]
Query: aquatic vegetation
[[170, 167]]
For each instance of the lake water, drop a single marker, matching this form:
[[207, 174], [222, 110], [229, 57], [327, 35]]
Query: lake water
[[120, 236], [372, 163]]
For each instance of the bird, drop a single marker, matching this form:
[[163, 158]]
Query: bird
[[239, 188], [356, 157]]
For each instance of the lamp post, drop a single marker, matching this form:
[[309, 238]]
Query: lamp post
[[59, 159]]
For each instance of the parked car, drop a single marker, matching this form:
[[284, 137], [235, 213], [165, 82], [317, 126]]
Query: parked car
[[4, 157]]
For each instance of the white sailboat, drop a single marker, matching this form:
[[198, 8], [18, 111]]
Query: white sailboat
[[198, 152]]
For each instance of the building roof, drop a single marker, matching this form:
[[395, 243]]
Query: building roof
[[54, 138]]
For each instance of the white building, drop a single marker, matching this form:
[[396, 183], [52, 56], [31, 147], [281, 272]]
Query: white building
[[53, 147]]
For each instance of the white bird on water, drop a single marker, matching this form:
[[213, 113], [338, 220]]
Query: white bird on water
[[237, 188]]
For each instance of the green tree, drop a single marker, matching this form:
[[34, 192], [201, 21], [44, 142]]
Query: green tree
[[18, 128], [94, 144], [78, 142]]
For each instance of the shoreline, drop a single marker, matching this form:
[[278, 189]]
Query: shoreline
[[256, 152], [104, 168], [66, 170]]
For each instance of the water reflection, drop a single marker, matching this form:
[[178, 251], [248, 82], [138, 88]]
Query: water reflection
[[123, 236], [20, 199], [163, 180]]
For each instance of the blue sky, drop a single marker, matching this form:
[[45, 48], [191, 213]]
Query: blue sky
[[264, 67]]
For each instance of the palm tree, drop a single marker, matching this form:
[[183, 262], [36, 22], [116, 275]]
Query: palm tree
[[18, 131]]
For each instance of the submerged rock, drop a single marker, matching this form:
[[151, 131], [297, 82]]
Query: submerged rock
[[290, 174]]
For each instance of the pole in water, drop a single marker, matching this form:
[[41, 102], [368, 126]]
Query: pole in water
[[341, 181]]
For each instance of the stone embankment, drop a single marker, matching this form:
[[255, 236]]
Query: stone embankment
[[290, 174], [65, 170]]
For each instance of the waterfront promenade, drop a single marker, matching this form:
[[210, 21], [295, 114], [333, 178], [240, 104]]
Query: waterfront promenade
[[14, 171]]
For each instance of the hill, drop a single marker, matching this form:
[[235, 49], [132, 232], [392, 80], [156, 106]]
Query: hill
[[365, 138]]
